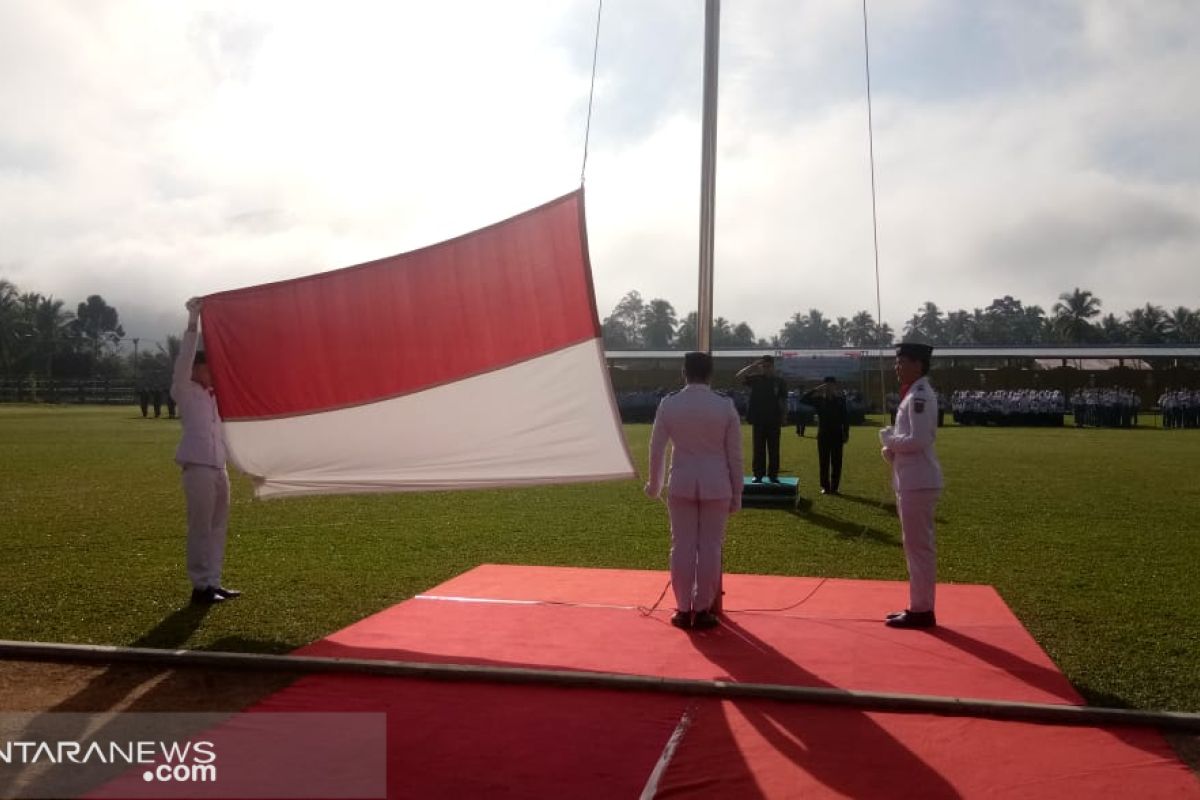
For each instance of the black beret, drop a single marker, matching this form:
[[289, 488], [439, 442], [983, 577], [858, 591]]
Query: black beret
[[920, 352]]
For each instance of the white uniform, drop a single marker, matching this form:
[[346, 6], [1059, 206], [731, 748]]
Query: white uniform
[[917, 479], [704, 487], [201, 454]]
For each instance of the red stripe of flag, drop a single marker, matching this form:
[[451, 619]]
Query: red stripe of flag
[[498, 296]]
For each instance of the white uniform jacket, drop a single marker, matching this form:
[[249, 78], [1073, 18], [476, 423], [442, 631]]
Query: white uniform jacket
[[203, 439], [914, 464], [706, 463]]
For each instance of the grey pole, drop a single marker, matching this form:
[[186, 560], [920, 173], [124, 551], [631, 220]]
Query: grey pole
[[1051, 713], [708, 174]]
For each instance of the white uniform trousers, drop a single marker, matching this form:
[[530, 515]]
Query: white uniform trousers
[[916, 509], [207, 492], [697, 535]]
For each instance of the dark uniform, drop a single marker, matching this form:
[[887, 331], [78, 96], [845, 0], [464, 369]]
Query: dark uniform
[[768, 395], [833, 431]]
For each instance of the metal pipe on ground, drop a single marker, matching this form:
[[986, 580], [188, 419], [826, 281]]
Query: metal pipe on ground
[[866, 701]]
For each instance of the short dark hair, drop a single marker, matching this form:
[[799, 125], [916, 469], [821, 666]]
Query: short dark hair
[[768, 359], [830, 379], [697, 367]]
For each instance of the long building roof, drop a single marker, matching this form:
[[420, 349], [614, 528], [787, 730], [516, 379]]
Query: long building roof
[[1057, 351]]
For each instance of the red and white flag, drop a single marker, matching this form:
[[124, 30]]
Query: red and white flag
[[472, 363]]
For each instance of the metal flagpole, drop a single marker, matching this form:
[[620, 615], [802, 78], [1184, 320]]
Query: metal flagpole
[[708, 187], [708, 174]]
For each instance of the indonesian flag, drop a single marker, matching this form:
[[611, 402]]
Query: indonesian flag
[[472, 363]]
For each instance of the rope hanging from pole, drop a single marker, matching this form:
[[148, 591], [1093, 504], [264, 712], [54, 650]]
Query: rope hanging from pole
[[587, 131], [874, 212]]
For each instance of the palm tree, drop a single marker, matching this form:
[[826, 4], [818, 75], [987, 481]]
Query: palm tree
[[1183, 325], [722, 333], [1147, 325], [861, 330], [1073, 314], [841, 332], [884, 335], [926, 324], [959, 328], [743, 335], [10, 324], [1114, 330], [50, 326], [1032, 327], [658, 323], [685, 334]]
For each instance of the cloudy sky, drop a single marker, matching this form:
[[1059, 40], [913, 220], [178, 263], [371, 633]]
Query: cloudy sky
[[150, 151]]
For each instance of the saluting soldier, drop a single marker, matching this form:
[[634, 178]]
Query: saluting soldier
[[833, 431], [917, 480], [768, 409]]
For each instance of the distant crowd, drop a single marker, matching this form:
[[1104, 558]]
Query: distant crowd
[[1024, 407], [1105, 408], [1180, 408], [1094, 408]]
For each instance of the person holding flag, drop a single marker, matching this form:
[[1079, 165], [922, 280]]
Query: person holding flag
[[201, 456]]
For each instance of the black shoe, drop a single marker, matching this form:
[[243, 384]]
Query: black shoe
[[682, 619], [758, 478], [824, 491], [705, 620], [207, 596], [911, 619], [226, 594], [775, 479]]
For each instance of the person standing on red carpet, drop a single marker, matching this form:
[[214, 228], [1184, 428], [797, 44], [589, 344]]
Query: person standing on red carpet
[[704, 487], [201, 456], [917, 480]]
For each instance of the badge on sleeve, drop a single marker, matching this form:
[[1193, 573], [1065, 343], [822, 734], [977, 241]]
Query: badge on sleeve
[[918, 405]]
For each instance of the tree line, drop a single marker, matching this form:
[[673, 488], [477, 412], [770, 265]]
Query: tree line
[[1075, 318], [41, 337]]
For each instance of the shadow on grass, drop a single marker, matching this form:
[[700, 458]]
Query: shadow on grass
[[844, 528], [139, 687], [888, 506]]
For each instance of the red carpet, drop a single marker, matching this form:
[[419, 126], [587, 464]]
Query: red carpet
[[481, 740]]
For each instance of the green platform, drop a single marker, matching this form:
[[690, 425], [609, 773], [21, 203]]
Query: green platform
[[786, 492]]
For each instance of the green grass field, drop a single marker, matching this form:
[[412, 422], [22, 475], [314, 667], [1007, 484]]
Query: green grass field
[[1091, 536]]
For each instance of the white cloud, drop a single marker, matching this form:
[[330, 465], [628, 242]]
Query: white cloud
[[150, 151]]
